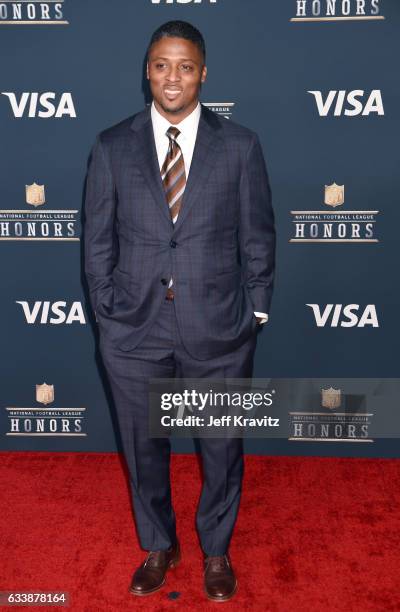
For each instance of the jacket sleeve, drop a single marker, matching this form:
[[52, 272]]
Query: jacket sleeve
[[256, 228], [99, 236]]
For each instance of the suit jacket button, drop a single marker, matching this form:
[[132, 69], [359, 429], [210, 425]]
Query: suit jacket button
[[164, 281], [172, 244]]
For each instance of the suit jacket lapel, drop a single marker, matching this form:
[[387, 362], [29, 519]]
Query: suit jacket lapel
[[145, 153], [205, 152]]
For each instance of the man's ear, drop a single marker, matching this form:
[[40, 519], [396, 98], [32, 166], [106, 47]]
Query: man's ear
[[203, 74], [147, 70]]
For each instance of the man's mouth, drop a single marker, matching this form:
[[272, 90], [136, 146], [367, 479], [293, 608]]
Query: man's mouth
[[172, 93]]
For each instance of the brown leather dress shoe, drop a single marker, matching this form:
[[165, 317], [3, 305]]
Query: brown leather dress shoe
[[150, 575], [220, 582]]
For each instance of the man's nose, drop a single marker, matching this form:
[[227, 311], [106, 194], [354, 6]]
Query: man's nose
[[173, 74]]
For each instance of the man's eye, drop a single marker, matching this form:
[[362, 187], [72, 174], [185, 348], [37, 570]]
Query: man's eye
[[159, 65], [187, 67]]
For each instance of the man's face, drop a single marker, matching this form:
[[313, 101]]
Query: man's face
[[175, 71]]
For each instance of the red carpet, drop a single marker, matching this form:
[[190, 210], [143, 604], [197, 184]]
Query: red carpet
[[313, 534]]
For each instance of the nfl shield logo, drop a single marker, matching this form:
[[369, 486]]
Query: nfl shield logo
[[35, 194], [45, 393], [331, 398], [334, 195]]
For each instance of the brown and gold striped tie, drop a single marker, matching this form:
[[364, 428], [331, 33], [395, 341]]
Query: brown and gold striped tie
[[173, 174], [174, 180]]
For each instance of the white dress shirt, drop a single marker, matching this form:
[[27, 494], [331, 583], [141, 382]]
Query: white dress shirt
[[186, 139]]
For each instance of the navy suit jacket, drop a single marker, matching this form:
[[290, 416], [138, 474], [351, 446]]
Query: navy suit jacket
[[220, 252]]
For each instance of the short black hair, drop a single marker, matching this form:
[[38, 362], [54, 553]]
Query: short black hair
[[179, 29]]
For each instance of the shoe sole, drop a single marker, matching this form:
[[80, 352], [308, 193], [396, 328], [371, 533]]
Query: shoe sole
[[171, 565], [225, 598]]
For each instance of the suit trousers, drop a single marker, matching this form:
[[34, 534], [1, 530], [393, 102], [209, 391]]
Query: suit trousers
[[161, 354]]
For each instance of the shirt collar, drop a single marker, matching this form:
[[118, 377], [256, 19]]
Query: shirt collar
[[187, 126]]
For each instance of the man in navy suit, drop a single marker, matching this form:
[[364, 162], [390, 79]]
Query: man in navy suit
[[179, 259]]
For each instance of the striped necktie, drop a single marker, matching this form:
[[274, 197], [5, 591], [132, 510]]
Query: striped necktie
[[173, 174]]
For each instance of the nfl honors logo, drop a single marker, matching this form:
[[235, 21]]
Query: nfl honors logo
[[35, 194], [45, 420], [31, 224], [45, 394], [333, 226], [331, 398], [337, 423], [334, 195]]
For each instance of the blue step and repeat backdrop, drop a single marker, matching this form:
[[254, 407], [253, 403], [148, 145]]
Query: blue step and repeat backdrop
[[318, 81]]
